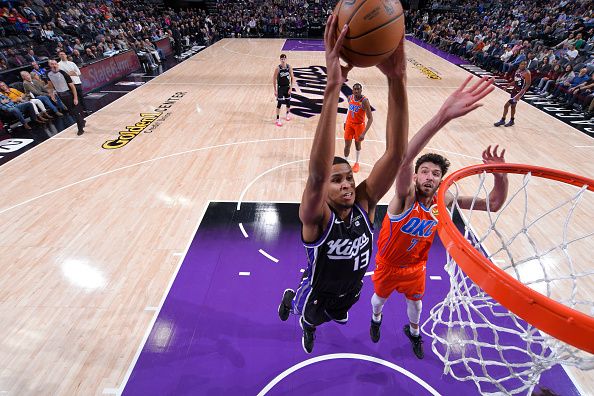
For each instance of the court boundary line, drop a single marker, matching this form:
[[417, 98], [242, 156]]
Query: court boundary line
[[4, 210], [354, 356], [504, 91], [249, 39], [101, 109], [132, 364]]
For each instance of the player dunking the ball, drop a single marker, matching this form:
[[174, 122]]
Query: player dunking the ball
[[283, 81], [355, 127], [336, 215], [410, 223]]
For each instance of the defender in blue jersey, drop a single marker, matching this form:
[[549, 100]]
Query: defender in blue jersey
[[336, 215]]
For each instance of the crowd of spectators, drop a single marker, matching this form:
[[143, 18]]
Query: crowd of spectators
[[272, 18], [556, 39], [35, 30]]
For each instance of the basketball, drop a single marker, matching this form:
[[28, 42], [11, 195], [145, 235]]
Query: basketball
[[375, 30]]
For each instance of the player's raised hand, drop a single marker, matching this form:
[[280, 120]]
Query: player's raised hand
[[464, 100], [337, 74], [492, 157], [395, 65]]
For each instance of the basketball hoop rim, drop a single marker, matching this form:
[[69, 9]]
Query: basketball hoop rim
[[564, 323]]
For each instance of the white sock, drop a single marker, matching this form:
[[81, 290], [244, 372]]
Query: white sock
[[413, 310], [357, 152], [377, 304]]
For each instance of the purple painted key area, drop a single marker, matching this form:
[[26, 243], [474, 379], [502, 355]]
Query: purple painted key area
[[303, 45], [218, 333]]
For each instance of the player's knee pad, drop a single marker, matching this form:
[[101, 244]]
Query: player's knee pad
[[377, 303], [413, 309]]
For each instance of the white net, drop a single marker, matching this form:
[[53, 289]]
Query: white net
[[546, 247]]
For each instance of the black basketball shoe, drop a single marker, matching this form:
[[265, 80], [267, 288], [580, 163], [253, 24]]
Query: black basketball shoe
[[309, 335], [374, 330], [284, 309], [417, 342]]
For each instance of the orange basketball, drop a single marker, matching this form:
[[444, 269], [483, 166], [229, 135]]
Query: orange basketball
[[375, 30]]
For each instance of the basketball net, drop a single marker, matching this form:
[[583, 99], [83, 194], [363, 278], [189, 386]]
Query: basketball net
[[476, 337]]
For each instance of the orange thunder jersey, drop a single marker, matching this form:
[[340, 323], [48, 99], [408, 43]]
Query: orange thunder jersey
[[405, 239], [356, 113]]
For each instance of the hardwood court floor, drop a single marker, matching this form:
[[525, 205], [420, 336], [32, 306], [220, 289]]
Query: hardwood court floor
[[91, 237]]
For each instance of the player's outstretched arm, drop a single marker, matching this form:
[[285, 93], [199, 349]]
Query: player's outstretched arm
[[498, 194], [461, 102], [313, 208], [384, 171], [292, 80], [274, 82]]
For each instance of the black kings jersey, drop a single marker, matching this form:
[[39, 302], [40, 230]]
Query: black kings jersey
[[284, 76], [519, 81], [337, 261]]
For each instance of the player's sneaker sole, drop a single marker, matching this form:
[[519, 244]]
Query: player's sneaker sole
[[284, 309]]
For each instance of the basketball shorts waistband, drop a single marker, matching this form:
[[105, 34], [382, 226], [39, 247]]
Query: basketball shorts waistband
[[398, 267]]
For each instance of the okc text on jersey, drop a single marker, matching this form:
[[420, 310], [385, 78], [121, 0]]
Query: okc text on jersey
[[419, 228], [343, 249], [354, 108]]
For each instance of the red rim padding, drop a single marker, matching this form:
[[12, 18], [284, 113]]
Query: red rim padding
[[566, 324]]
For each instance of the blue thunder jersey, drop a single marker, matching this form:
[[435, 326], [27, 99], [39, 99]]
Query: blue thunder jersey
[[337, 261]]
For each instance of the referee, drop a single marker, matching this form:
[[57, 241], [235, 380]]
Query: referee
[[61, 82]]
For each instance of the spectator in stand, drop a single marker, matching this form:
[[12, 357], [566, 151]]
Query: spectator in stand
[[570, 54], [552, 76], [89, 56], [564, 88], [78, 45], [580, 93], [17, 110], [541, 70], [14, 59], [563, 78], [532, 62], [40, 71], [40, 89], [31, 57], [38, 103], [151, 49], [77, 58]]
